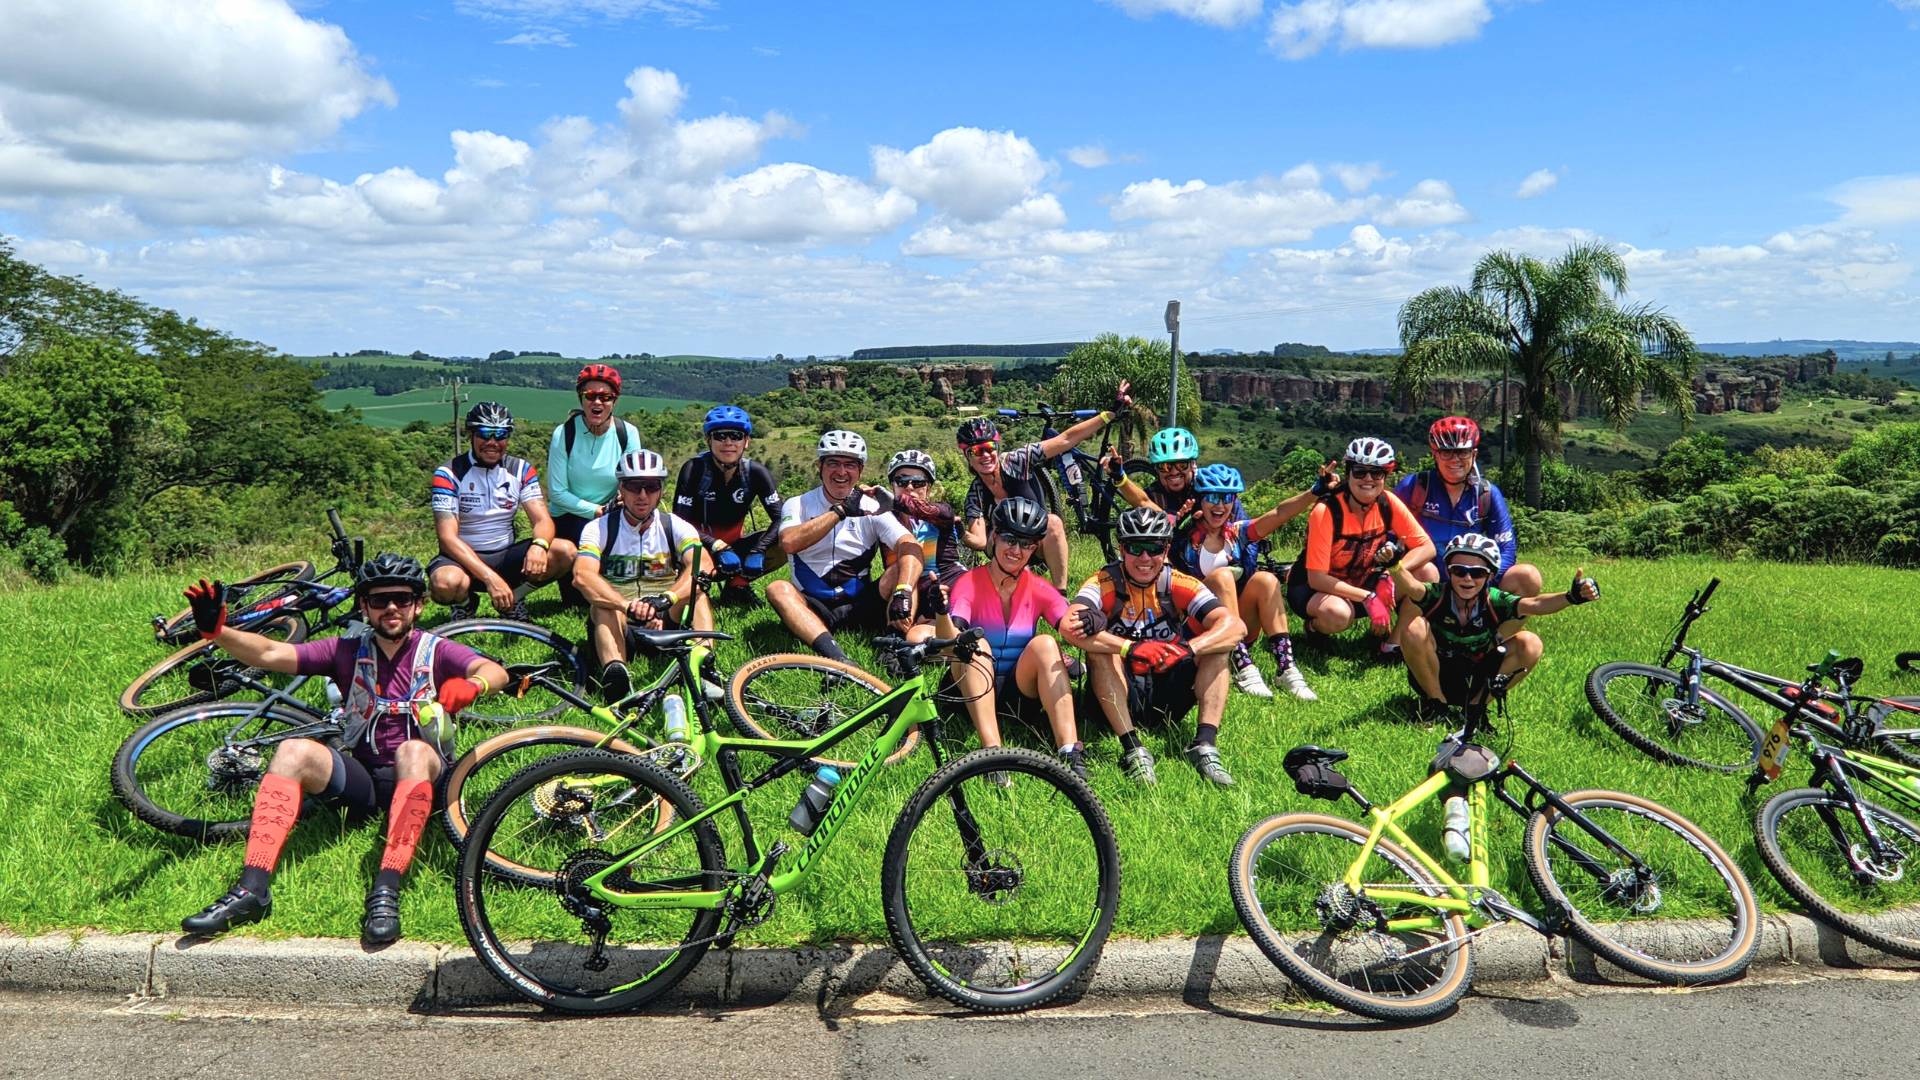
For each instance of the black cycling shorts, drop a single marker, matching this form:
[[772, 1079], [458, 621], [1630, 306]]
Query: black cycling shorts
[[865, 610], [359, 789], [509, 562], [1162, 699], [1461, 673]]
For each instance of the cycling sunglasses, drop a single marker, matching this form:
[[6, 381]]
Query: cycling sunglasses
[[601, 396], [727, 436], [980, 448], [1145, 548], [1363, 472], [1462, 571], [912, 482], [495, 434], [1018, 543], [380, 601], [641, 487], [1218, 498]]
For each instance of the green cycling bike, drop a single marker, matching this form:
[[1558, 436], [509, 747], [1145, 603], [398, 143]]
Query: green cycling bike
[[1363, 917], [1000, 877]]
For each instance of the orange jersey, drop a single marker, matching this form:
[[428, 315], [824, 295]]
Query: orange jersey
[[1175, 606], [1349, 556]]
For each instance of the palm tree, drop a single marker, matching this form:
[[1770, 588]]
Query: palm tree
[[1555, 323]]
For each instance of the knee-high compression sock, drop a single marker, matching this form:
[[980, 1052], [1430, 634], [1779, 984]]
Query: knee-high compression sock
[[406, 821], [276, 806], [827, 647]]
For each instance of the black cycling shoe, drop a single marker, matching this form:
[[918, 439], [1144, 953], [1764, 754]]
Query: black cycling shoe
[[381, 924], [241, 905]]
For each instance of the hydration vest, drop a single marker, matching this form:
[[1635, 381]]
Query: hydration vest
[[370, 717]]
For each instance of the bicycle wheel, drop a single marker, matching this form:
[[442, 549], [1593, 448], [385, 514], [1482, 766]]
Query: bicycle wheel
[[250, 591], [559, 946], [794, 696], [481, 771], [1686, 916], [1814, 845], [506, 641], [192, 772], [199, 672], [1286, 876], [1643, 703], [1000, 899], [1897, 729]]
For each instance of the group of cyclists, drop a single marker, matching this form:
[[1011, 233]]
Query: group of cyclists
[[1168, 629]]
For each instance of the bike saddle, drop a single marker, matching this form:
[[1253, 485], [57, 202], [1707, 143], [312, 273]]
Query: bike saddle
[[1300, 755], [665, 640], [1313, 773], [1850, 669]]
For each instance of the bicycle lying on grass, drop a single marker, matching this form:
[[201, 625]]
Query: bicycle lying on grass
[[1673, 716], [1908, 662], [1002, 846], [1364, 918], [1075, 483], [1843, 857]]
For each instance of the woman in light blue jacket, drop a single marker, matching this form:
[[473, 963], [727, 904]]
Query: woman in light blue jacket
[[585, 449]]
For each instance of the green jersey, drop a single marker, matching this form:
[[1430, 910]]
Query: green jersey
[[1471, 632]]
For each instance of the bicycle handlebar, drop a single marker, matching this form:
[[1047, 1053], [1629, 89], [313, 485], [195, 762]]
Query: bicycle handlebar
[[339, 530]]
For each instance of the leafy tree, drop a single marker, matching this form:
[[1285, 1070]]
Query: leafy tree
[[1091, 372], [1888, 451], [1688, 465], [1554, 322]]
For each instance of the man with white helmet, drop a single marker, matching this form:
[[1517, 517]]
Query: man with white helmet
[[1335, 580], [831, 534], [636, 567]]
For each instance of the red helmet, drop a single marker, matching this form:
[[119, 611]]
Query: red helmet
[[1454, 433], [603, 372]]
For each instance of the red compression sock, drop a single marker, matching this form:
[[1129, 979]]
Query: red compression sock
[[406, 821], [276, 806]]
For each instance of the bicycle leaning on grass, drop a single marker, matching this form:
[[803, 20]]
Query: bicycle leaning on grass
[[999, 879], [1361, 916], [1672, 715]]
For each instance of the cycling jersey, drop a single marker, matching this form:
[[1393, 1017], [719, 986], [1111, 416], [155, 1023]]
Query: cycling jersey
[[1240, 551], [975, 602], [648, 556], [1443, 518], [485, 498], [1019, 474], [717, 504], [1473, 632], [1349, 556], [1174, 607], [380, 709], [580, 481], [940, 545], [836, 566]]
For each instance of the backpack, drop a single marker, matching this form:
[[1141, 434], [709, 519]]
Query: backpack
[[616, 516], [1417, 496], [1162, 589], [1362, 545], [462, 465], [571, 430]]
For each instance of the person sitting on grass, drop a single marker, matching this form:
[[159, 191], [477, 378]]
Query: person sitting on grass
[[832, 534], [1224, 552], [1453, 630], [911, 475], [717, 491], [1022, 675], [388, 759], [475, 498], [1157, 641], [1174, 455], [636, 567], [1335, 580], [1452, 499], [1000, 476]]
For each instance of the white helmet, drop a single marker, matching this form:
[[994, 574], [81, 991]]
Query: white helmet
[[1367, 450], [840, 443], [1473, 544], [641, 465], [910, 459]]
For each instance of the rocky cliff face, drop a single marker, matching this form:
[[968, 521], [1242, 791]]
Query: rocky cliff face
[[1713, 392], [939, 379]]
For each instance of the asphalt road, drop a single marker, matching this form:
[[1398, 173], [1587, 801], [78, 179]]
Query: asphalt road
[[1852, 1026]]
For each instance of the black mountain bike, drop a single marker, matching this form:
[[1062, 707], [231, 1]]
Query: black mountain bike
[[1673, 716], [1074, 484]]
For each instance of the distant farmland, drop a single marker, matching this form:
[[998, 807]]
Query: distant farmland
[[430, 403]]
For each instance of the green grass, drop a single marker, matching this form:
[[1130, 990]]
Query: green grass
[[74, 857], [430, 403]]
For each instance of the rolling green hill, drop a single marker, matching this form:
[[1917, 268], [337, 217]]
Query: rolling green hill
[[430, 403]]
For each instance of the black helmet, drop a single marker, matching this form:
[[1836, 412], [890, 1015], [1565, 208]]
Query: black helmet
[[1145, 523], [388, 568], [978, 430], [489, 414], [1020, 518]]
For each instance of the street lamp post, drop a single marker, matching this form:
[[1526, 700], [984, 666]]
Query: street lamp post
[[1173, 365]]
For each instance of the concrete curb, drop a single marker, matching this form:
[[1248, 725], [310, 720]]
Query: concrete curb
[[418, 975]]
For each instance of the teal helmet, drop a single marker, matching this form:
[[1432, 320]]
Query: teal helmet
[[1173, 444], [1219, 479]]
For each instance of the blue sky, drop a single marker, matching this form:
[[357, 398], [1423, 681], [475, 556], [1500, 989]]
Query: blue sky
[[746, 178]]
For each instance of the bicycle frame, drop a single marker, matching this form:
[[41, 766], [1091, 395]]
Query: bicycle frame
[[1083, 487]]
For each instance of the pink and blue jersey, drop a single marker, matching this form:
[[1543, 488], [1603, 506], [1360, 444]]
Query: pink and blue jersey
[[975, 602]]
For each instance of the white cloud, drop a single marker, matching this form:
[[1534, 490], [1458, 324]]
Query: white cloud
[[675, 12], [1879, 200], [1536, 183], [183, 81], [1034, 228], [479, 154], [969, 173], [1223, 13], [1089, 157], [534, 39], [653, 98], [1299, 30], [1428, 203], [1357, 178], [1239, 213], [793, 202]]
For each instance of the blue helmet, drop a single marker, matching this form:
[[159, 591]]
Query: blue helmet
[[727, 418], [1218, 480]]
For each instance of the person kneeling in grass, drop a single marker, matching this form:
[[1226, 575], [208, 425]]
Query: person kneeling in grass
[[387, 757], [1453, 630], [1023, 671]]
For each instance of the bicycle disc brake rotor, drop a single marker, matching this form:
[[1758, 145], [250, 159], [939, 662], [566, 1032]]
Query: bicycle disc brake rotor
[[1889, 871], [233, 767], [1628, 888], [1682, 714], [996, 876]]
